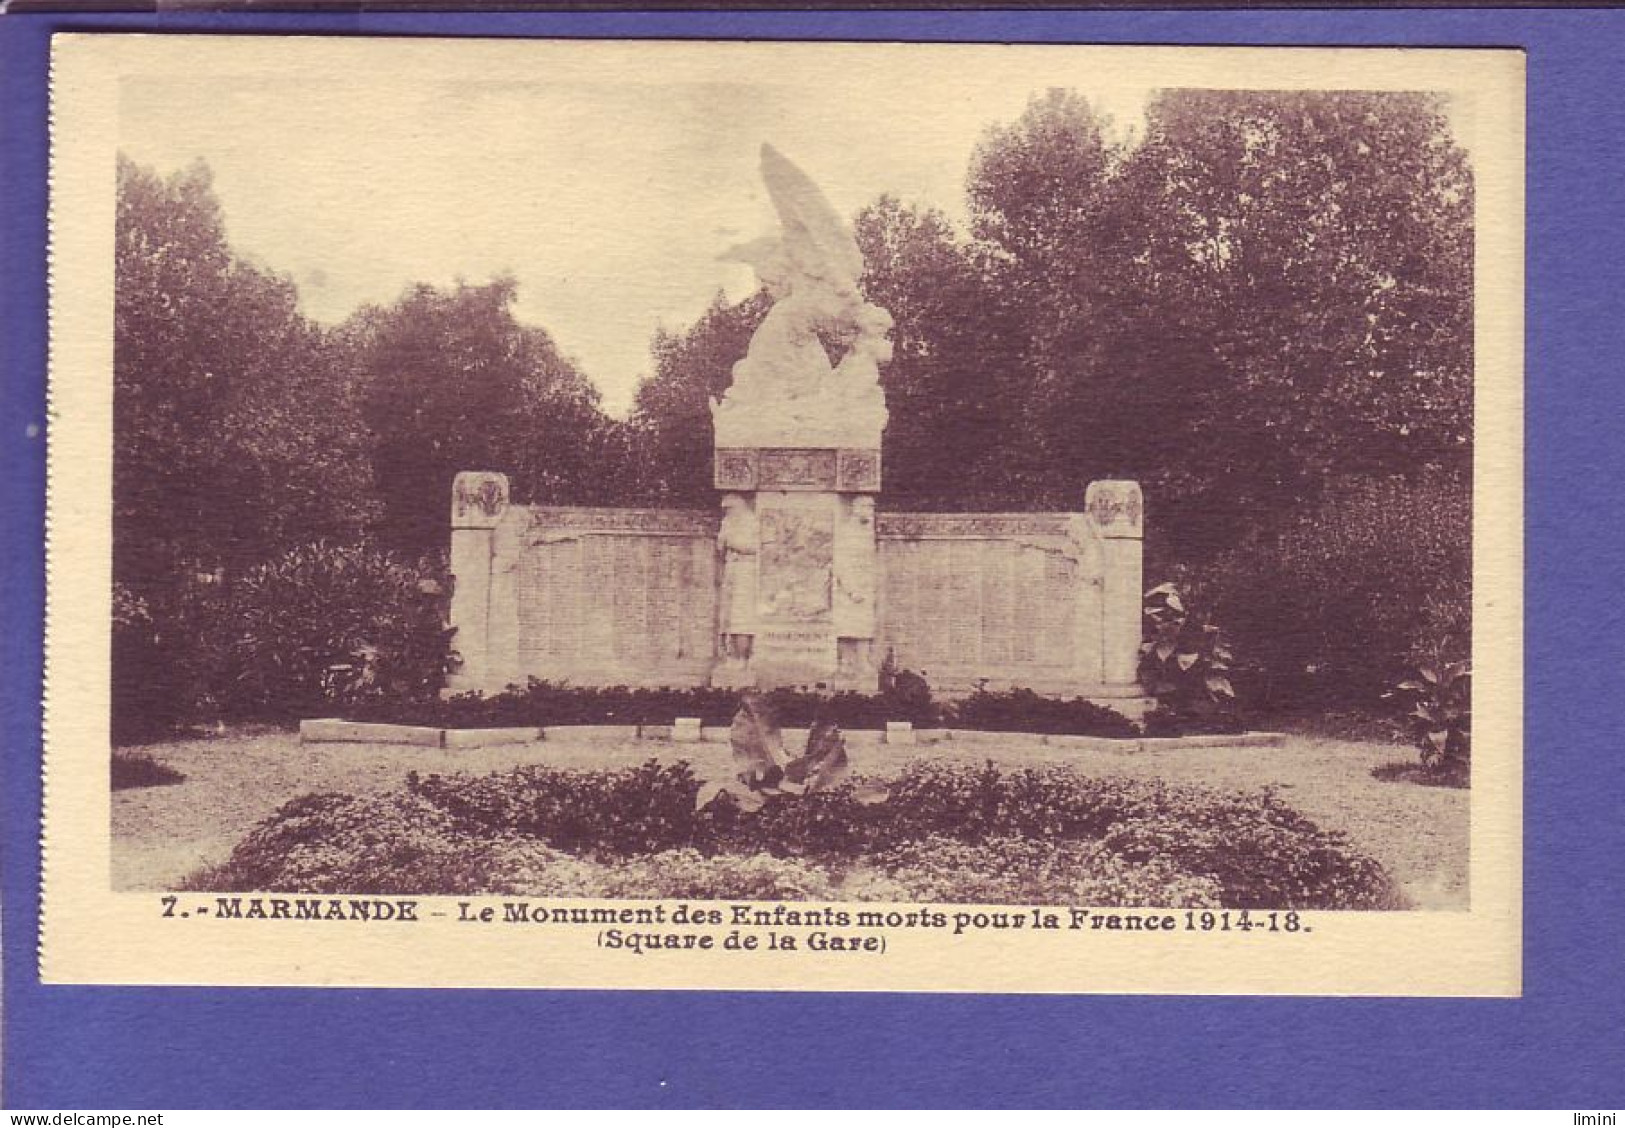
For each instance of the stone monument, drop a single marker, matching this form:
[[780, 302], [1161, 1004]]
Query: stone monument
[[798, 456], [796, 579]]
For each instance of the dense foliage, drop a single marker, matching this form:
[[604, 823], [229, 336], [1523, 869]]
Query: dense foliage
[[450, 381], [316, 629], [947, 832], [234, 423], [1185, 659], [1346, 597], [324, 626]]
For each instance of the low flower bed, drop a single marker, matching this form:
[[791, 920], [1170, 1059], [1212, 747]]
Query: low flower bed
[[546, 704], [945, 832]]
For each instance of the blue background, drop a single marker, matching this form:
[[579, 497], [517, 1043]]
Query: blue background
[[1561, 1046]]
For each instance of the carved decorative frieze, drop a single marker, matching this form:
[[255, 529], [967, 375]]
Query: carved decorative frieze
[[478, 499], [792, 468], [557, 520], [857, 471], [735, 470], [937, 526], [1116, 508], [845, 470]]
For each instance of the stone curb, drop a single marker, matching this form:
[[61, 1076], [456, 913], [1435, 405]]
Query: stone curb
[[486, 738], [329, 730], [334, 731]]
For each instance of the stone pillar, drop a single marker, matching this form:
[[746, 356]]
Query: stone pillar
[[478, 501], [738, 540], [857, 590], [1116, 513]]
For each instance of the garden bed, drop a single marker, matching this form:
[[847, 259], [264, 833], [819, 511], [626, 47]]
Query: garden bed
[[238, 777], [945, 831]]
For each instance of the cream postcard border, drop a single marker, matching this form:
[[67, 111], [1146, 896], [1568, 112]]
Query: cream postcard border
[[90, 934]]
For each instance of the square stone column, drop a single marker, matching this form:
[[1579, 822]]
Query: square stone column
[[478, 501], [1116, 514]]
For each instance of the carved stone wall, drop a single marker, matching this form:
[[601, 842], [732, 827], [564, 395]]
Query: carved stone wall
[[595, 597], [1046, 601]]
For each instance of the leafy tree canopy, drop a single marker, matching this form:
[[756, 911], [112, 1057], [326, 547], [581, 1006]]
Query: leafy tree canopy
[[233, 429], [450, 380]]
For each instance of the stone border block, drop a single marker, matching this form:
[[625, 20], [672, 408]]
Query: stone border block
[[899, 732], [330, 730], [489, 737], [1214, 740]]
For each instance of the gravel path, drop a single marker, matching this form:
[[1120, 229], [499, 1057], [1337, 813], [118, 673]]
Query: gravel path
[[232, 782]]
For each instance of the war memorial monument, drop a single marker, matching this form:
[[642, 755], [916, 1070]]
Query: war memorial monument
[[798, 577]]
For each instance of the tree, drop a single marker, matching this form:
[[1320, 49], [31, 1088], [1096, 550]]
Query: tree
[[671, 413], [235, 434], [1317, 247], [451, 381], [1270, 294], [1037, 186], [953, 439], [234, 430], [1057, 247]]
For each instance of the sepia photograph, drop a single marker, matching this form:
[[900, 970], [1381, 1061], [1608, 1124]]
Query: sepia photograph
[[871, 491]]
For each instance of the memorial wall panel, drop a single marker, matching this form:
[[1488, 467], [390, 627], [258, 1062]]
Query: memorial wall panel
[[609, 596], [990, 598]]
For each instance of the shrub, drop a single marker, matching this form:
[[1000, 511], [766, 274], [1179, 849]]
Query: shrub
[[1334, 606], [543, 703], [132, 770], [972, 803], [385, 845], [1262, 854], [326, 624], [1441, 714], [401, 844], [609, 811], [1022, 710], [906, 692], [824, 824], [1185, 659], [944, 798], [167, 657], [796, 708]]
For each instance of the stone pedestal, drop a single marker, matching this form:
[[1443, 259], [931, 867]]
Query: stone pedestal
[[799, 567]]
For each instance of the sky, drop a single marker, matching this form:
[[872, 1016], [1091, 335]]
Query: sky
[[606, 177]]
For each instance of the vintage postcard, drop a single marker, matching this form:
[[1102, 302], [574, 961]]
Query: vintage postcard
[[789, 516]]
